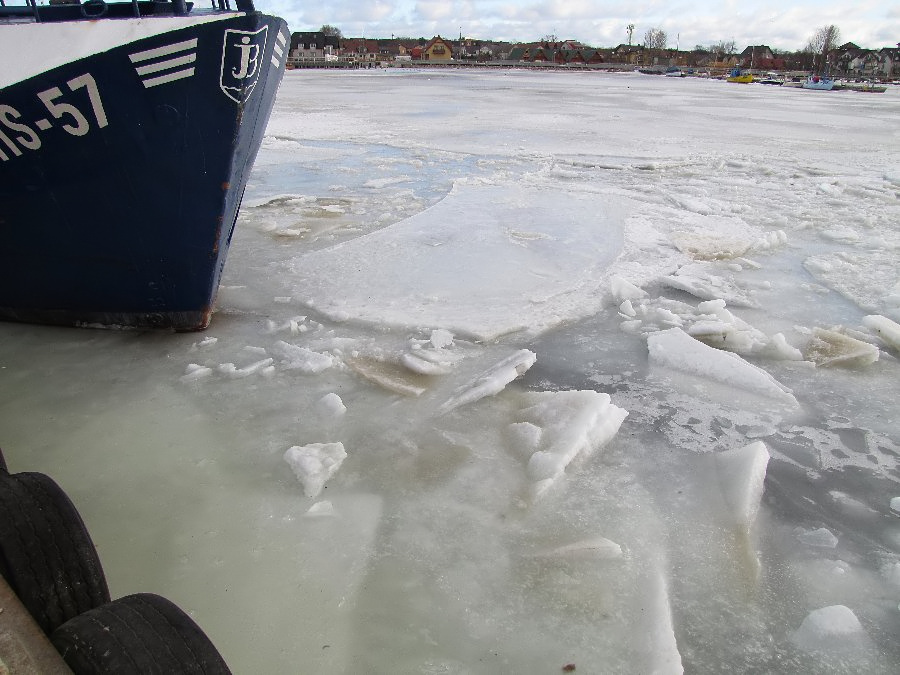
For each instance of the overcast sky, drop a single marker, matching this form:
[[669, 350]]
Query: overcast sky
[[602, 23]]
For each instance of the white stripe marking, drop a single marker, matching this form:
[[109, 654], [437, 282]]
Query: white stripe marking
[[165, 65], [276, 62], [280, 38], [162, 79], [278, 50], [163, 51]]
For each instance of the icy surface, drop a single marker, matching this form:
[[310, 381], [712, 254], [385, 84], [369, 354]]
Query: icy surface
[[514, 370]]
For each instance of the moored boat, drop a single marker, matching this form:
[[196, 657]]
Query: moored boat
[[866, 87], [771, 78], [127, 134], [818, 83], [737, 76]]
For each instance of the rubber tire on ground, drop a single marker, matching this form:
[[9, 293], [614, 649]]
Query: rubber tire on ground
[[138, 634], [46, 554]]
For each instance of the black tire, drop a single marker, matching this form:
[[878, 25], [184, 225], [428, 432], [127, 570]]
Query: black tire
[[141, 634], [46, 554]]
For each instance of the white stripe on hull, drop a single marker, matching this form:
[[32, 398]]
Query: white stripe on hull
[[278, 49], [163, 51], [165, 65], [171, 77]]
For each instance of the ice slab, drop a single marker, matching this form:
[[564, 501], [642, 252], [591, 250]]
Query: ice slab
[[534, 258], [571, 424], [820, 537], [599, 548], [833, 348], [294, 357], [492, 381], [391, 376], [884, 328], [742, 474], [895, 506], [676, 349], [710, 281]]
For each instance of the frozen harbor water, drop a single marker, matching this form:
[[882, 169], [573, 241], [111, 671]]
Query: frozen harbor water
[[515, 370]]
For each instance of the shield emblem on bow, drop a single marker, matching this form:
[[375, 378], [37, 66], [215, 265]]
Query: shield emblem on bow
[[242, 59]]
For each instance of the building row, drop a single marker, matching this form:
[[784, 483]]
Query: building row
[[315, 49]]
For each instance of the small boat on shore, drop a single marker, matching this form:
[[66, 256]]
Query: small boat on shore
[[771, 78], [739, 77], [865, 87], [127, 134], [818, 83]]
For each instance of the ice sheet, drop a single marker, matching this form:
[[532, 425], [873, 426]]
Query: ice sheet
[[536, 258]]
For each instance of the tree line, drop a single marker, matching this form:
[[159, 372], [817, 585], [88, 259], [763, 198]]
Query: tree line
[[823, 40]]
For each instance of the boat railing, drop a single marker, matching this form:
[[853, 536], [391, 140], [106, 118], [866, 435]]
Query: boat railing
[[73, 10]]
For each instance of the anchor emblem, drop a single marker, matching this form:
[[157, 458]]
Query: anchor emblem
[[241, 58]]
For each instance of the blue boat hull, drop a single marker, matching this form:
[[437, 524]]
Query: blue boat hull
[[121, 175]]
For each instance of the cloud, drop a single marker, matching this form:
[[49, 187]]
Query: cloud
[[601, 24]]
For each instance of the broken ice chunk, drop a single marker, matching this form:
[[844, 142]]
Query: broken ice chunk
[[595, 547], [726, 336], [525, 437], [833, 348], [676, 349], [622, 290], [821, 537], [441, 338], [320, 509], [314, 464], [388, 375], [709, 281], [301, 358], [895, 506], [492, 381], [573, 423], [779, 348], [824, 629], [710, 245], [426, 362], [208, 341], [332, 405], [627, 309], [884, 328], [742, 473], [195, 371], [233, 371], [770, 240]]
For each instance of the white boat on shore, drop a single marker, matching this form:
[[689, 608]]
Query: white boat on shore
[[818, 83]]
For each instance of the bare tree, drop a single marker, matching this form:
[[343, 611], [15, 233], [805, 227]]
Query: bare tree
[[655, 38], [331, 30], [724, 47], [824, 40]]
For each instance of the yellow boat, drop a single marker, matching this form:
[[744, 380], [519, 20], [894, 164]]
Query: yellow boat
[[737, 76]]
